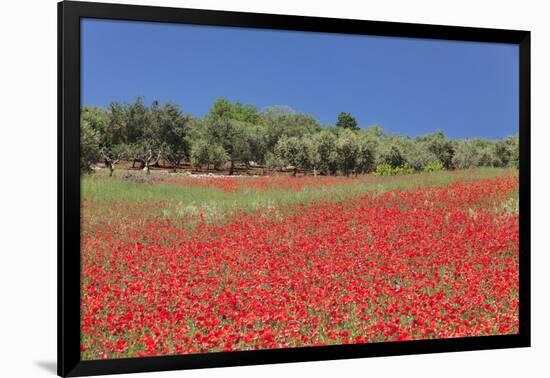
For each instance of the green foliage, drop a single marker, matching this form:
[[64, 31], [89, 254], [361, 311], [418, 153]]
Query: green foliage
[[404, 170], [325, 156], [173, 128], [282, 120], [204, 153], [217, 155], [375, 132], [366, 158], [293, 151], [347, 150], [466, 154], [89, 146], [512, 143], [434, 167], [507, 151], [200, 154], [347, 121], [272, 161], [138, 132], [485, 152], [387, 170], [237, 129], [391, 153], [440, 146], [235, 133], [417, 154]]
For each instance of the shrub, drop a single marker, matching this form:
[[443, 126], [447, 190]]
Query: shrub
[[383, 170], [388, 170], [434, 167], [404, 170]]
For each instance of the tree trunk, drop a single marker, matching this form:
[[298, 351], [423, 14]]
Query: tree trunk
[[295, 172], [110, 165], [231, 167], [146, 169]]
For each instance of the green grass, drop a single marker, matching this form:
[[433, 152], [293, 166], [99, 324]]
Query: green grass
[[172, 201]]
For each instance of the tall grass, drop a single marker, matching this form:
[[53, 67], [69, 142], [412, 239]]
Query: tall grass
[[173, 200]]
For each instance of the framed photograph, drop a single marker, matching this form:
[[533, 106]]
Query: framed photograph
[[240, 188]]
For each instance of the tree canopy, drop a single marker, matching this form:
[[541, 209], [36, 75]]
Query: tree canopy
[[347, 121], [232, 134]]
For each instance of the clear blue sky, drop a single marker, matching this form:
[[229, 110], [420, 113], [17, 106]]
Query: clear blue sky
[[407, 86]]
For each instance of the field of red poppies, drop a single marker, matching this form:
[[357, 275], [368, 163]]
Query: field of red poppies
[[187, 265]]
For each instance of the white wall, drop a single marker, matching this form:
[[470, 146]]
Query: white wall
[[28, 185]]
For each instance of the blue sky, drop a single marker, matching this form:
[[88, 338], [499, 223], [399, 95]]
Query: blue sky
[[407, 86]]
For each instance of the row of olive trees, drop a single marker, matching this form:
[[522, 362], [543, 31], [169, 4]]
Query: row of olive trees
[[136, 132], [327, 151], [277, 137]]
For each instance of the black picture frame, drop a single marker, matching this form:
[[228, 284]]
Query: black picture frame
[[69, 15]]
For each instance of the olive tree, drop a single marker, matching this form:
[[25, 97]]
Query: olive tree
[[440, 146], [102, 136], [325, 156], [89, 146], [419, 155], [348, 151], [391, 153], [234, 127], [173, 129], [282, 120], [204, 152], [466, 154], [366, 159], [293, 151]]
